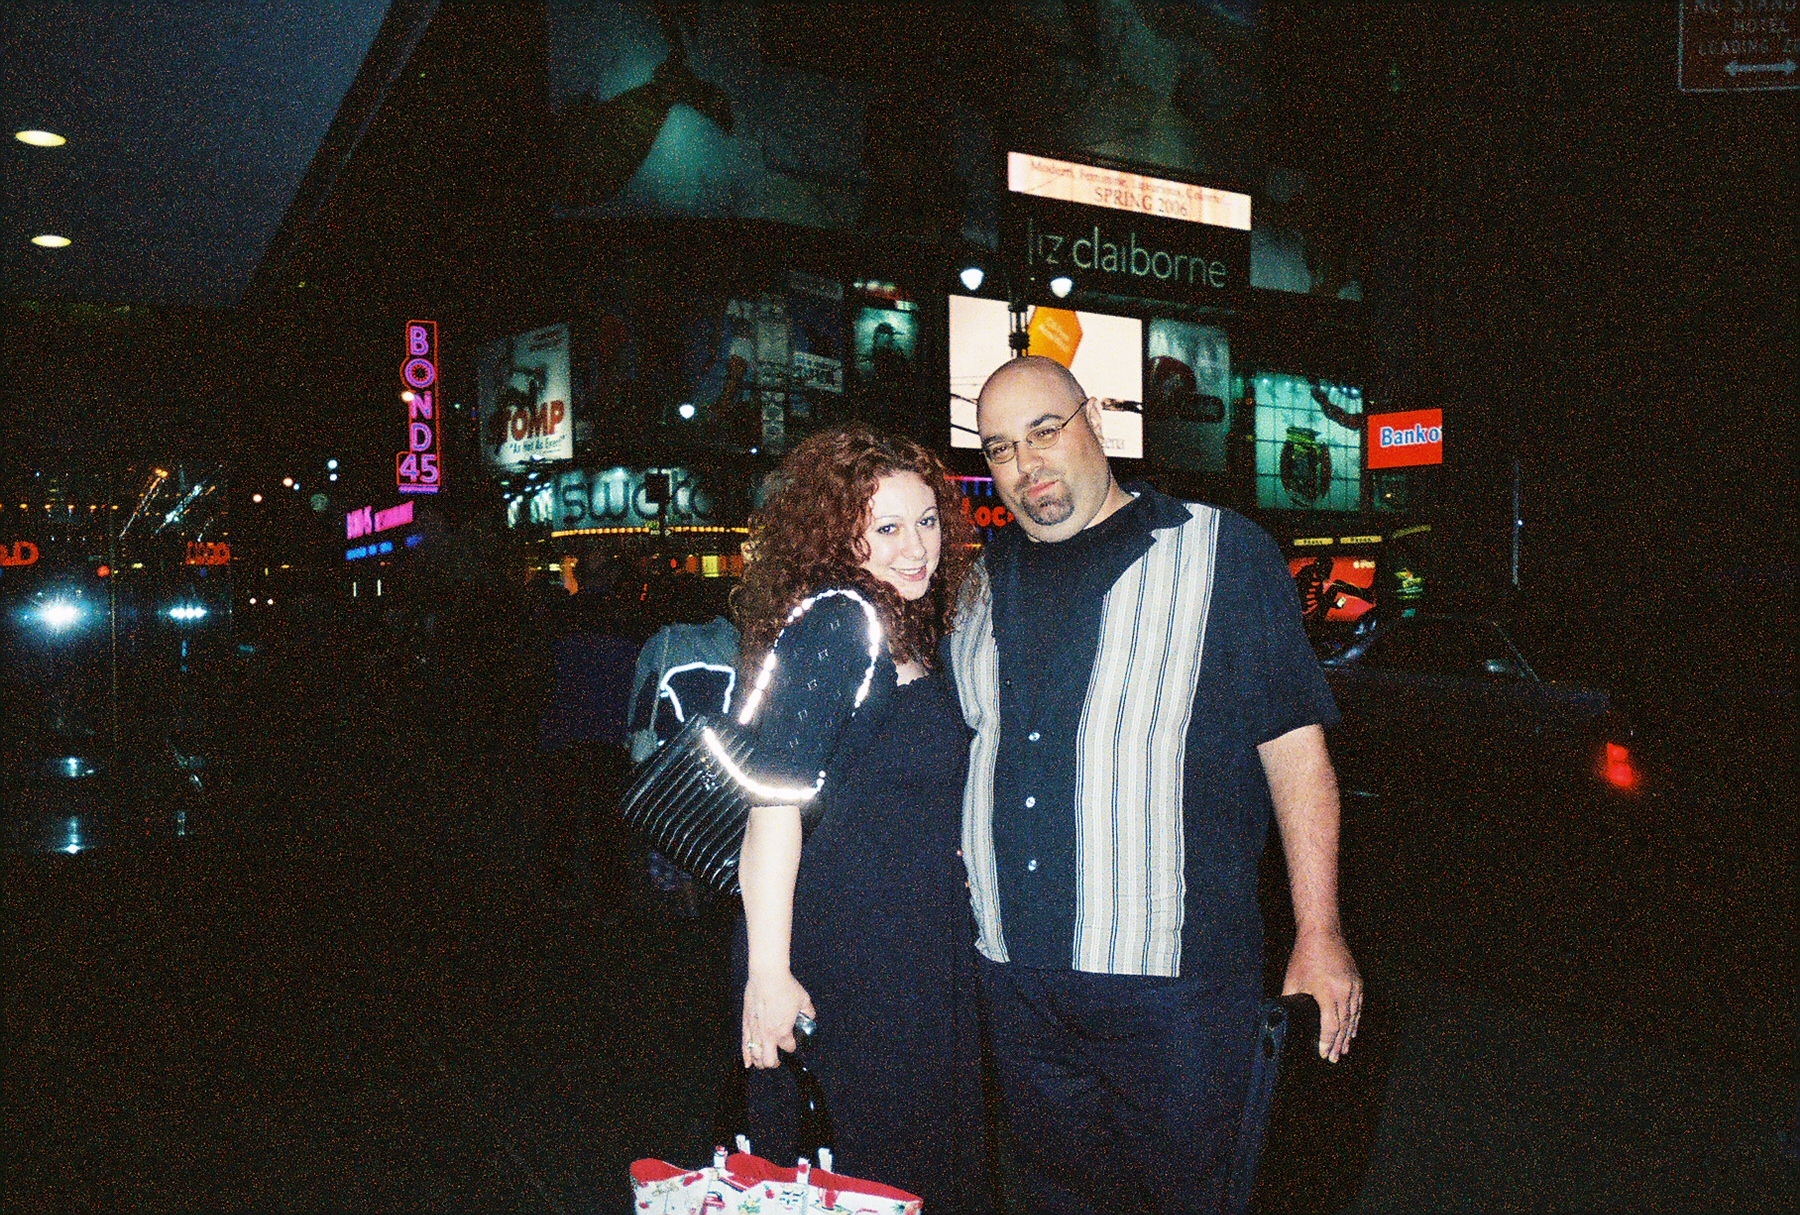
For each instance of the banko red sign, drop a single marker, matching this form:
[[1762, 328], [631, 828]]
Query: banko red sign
[[1399, 440], [418, 470]]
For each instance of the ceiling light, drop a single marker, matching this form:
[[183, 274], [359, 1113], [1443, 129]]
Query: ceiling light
[[972, 277], [1061, 285], [50, 240], [40, 139]]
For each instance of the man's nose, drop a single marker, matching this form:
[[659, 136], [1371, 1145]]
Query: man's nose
[[1028, 457]]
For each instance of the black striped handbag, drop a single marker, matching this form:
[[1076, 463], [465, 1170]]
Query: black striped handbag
[[691, 799]]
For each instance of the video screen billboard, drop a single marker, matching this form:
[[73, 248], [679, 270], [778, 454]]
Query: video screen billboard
[[1188, 394], [1334, 587], [1308, 443], [1104, 353]]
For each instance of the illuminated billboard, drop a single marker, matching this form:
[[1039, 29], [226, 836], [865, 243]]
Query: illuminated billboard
[[583, 500], [1188, 394], [1104, 353], [524, 404], [1334, 588], [1118, 190], [1308, 443], [1405, 439], [786, 112]]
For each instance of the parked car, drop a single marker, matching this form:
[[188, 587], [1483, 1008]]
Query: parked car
[[1435, 703]]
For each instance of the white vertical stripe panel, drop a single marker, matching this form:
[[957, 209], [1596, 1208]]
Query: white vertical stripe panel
[[1131, 748], [977, 667]]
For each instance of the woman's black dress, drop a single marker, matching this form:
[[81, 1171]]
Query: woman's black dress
[[882, 931]]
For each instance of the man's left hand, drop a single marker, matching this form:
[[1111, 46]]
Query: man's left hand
[[1321, 967]]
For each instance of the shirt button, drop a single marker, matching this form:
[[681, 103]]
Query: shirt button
[[1030, 802], [1031, 865], [1032, 737]]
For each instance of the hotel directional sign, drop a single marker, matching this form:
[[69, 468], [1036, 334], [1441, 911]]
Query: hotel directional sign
[[1738, 46]]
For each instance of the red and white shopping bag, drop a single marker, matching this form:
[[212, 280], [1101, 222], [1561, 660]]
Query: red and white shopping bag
[[752, 1185]]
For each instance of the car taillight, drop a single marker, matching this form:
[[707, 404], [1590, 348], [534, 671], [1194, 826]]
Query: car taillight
[[1619, 772]]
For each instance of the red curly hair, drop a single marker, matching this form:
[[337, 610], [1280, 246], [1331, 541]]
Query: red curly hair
[[808, 536]]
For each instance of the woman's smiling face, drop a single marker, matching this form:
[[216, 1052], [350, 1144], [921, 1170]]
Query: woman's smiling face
[[902, 536]]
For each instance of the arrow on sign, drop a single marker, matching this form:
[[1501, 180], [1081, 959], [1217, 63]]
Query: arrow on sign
[[1786, 68]]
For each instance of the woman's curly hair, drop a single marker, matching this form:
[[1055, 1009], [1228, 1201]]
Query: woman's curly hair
[[808, 536]]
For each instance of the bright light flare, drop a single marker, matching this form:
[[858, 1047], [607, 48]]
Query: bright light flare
[[686, 410], [186, 612], [59, 614], [1061, 285], [1619, 772], [50, 240], [972, 277], [40, 139]]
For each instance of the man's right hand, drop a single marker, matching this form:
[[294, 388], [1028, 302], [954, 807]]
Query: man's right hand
[[772, 1003]]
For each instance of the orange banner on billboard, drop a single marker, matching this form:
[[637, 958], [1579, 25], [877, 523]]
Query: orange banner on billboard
[[1118, 190]]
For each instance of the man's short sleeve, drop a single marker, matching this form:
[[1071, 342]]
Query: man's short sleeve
[[820, 662], [1296, 694]]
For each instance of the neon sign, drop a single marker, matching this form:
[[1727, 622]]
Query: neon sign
[[203, 553], [367, 520], [417, 470], [981, 505], [23, 552]]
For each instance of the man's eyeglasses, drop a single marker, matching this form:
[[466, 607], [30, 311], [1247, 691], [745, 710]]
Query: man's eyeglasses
[[1041, 438]]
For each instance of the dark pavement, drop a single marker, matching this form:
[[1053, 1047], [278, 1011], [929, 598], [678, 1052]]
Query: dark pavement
[[346, 999]]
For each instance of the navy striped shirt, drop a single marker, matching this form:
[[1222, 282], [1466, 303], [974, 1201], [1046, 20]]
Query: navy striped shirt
[[1124, 836]]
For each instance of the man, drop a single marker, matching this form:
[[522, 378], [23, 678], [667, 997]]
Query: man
[[1143, 697]]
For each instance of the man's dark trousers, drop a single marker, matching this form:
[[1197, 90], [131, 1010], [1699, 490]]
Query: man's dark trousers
[[1123, 1092]]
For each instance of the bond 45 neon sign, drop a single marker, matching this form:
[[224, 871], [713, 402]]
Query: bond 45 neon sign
[[418, 470]]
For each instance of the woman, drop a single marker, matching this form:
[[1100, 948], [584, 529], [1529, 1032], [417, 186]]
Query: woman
[[865, 925]]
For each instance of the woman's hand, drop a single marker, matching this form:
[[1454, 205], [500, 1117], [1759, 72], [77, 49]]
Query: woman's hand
[[772, 1002]]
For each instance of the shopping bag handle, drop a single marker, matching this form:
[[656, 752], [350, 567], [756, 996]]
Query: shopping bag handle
[[814, 1131]]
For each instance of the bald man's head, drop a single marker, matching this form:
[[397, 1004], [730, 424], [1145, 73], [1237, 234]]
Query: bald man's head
[[1064, 484], [1044, 377]]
